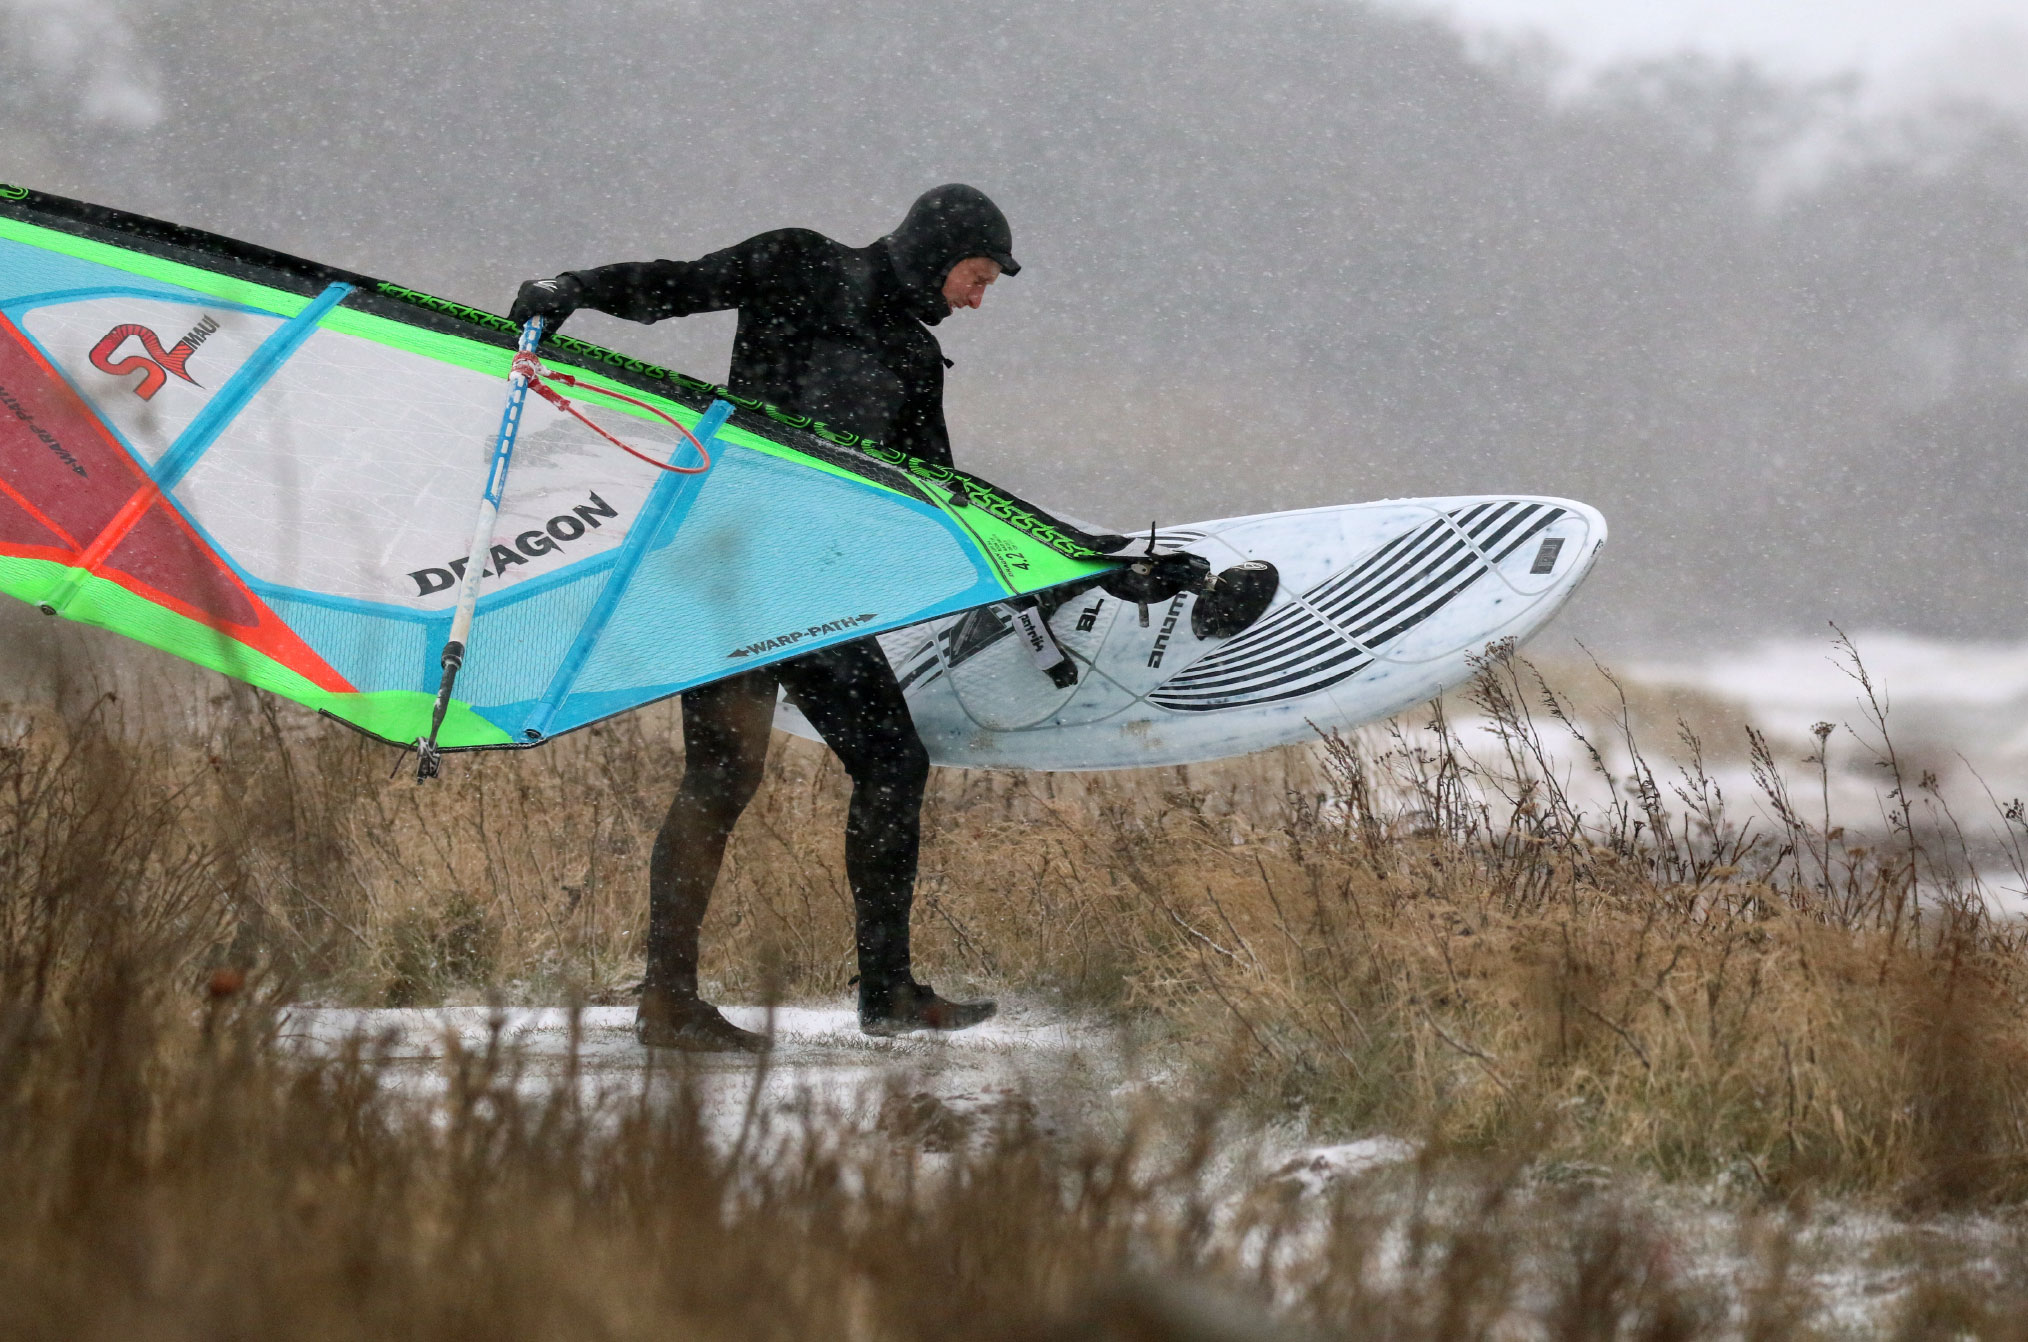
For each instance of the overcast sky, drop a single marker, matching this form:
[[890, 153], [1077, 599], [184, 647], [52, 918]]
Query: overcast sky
[[1906, 49], [1377, 271]]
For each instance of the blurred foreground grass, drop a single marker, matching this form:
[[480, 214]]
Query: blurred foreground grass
[[1394, 933]]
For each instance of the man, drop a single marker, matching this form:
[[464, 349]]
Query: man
[[840, 334]]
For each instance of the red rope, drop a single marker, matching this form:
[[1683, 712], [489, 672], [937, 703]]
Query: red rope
[[539, 379]]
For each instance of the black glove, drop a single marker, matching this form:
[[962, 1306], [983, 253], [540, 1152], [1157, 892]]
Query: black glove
[[1148, 579], [552, 300], [1234, 599]]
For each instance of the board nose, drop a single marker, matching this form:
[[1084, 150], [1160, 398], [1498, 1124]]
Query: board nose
[[1550, 546]]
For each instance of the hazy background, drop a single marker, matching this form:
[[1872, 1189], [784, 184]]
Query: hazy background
[[1902, 53], [1276, 253]]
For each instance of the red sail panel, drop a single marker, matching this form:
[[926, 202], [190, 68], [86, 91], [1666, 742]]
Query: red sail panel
[[55, 454], [65, 479], [160, 552], [24, 530]]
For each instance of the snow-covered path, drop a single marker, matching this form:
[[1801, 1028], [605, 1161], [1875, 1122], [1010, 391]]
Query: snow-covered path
[[1851, 1264], [821, 1064]]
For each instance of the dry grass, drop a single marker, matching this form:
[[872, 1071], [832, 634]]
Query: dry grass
[[1392, 934], [1389, 934], [169, 1171]]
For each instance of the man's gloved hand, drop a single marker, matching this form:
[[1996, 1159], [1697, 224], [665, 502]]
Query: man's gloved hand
[[1148, 579], [551, 300]]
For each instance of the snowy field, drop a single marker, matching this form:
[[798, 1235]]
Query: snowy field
[[1854, 1264], [1954, 709], [821, 1063], [1960, 704], [1955, 716]]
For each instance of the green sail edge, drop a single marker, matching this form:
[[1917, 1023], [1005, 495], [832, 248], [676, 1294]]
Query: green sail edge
[[399, 716]]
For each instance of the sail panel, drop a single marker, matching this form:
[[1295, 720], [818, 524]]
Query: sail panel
[[270, 468]]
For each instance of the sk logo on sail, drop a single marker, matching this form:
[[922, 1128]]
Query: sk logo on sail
[[158, 363]]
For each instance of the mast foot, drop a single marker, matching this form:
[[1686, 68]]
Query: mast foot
[[428, 758]]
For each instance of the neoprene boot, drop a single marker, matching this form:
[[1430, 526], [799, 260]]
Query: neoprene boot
[[673, 1019], [902, 1005]]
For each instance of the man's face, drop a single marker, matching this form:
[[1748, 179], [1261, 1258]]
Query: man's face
[[965, 286]]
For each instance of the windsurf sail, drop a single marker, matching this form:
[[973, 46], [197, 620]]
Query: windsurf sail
[[269, 467]]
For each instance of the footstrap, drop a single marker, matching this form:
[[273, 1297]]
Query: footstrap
[[1035, 632]]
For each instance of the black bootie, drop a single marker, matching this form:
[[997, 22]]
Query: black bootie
[[901, 1005], [671, 1018]]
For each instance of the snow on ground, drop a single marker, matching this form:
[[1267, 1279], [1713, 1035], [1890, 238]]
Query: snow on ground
[[1857, 1265], [1956, 711], [945, 1086], [1956, 715], [1320, 1167], [1953, 707], [1950, 695]]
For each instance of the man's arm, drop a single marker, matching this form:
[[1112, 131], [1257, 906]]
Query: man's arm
[[919, 425], [648, 291]]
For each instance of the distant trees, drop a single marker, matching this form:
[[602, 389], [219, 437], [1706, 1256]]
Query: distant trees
[[1280, 252]]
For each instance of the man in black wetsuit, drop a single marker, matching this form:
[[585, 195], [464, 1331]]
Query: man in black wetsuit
[[840, 334]]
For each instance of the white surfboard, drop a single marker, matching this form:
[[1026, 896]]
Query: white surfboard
[[1379, 607]]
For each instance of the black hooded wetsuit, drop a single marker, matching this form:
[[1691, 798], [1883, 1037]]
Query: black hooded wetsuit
[[838, 333]]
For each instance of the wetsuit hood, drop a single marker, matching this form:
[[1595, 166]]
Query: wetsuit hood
[[943, 227]]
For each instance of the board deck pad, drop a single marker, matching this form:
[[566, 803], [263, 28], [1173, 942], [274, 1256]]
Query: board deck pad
[[270, 467], [1380, 606]]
